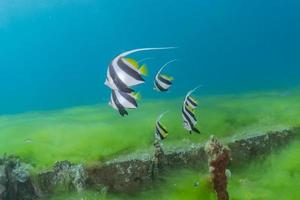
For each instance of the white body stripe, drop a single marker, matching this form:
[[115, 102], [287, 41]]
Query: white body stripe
[[124, 102], [186, 124], [162, 84], [110, 83], [112, 104], [189, 116]]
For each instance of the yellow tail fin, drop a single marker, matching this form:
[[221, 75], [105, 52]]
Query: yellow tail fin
[[137, 95], [144, 70]]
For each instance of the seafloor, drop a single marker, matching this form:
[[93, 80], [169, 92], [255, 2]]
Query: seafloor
[[93, 134]]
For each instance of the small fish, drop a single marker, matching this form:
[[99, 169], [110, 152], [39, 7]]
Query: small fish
[[161, 131], [124, 73], [188, 112], [162, 83], [121, 101]]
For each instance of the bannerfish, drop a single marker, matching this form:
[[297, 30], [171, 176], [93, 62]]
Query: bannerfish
[[121, 101], [124, 73], [188, 112], [161, 131], [163, 82]]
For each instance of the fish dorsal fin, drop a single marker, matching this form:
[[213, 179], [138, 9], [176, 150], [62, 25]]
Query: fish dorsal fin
[[144, 70], [170, 78], [137, 95], [133, 62]]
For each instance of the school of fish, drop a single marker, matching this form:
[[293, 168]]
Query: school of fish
[[124, 73]]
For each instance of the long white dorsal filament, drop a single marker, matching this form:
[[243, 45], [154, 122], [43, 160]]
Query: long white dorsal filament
[[192, 91], [161, 116], [164, 66], [143, 49]]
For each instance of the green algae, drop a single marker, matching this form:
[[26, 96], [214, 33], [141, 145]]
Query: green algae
[[95, 133], [275, 178]]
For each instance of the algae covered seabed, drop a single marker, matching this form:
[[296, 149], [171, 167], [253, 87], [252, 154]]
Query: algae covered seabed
[[93, 134], [276, 178]]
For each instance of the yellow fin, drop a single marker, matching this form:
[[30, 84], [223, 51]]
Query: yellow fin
[[170, 78], [144, 70], [137, 95], [191, 109], [165, 135], [133, 62], [195, 101]]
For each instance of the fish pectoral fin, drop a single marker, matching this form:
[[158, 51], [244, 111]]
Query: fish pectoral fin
[[144, 70], [133, 62]]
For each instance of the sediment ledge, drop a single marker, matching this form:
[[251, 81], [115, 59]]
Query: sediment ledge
[[128, 174]]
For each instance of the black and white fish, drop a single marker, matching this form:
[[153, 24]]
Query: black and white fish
[[121, 101], [161, 131], [188, 112], [124, 73], [163, 82]]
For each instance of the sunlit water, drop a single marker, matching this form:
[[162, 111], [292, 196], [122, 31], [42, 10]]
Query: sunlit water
[[53, 103]]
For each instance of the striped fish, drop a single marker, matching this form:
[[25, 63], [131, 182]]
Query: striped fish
[[161, 132], [121, 101], [188, 112], [162, 83], [124, 73]]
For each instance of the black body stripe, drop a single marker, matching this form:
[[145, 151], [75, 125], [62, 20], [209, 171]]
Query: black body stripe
[[162, 79], [191, 114], [160, 87], [118, 82], [159, 134], [134, 74], [192, 102], [121, 108], [161, 127], [129, 98], [195, 129], [186, 117], [189, 121]]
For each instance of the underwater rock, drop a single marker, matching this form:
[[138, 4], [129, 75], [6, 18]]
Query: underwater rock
[[193, 157], [65, 177], [125, 176], [259, 146], [218, 159], [15, 181], [129, 174], [3, 181]]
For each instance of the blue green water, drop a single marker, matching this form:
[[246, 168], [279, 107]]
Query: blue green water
[[54, 54]]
